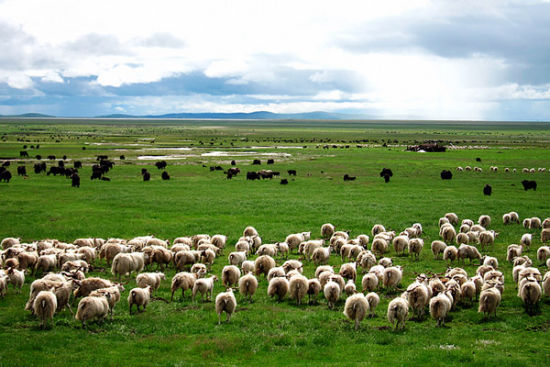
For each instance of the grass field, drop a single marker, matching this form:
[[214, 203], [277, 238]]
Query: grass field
[[197, 200]]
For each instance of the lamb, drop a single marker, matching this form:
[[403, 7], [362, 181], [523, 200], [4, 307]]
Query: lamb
[[298, 287], [530, 293], [321, 255], [204, 286], [219, 240], [152, 279], [415, 247], [369, 282], [16, 278], [332, 293], [526, 240], [139, 297], [248, 284], [513, 251], [112, 299], [484, 221], [237, 258], [327, 230], [263, 264], [392, 276], [350, 288], [183, 281], [92, 308], [437, 248], [400, 243], [313, 289], [44, 306], [450, 253], [91, 284], [489, 299], [225, 301], [398, 310], [545, 235], [356, 308], [279, 287], [440, 306], [199, 269]]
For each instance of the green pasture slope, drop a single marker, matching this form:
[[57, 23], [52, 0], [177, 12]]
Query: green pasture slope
[[196, 200]]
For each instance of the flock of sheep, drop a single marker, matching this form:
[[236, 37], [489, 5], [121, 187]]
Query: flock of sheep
[[64, 266]]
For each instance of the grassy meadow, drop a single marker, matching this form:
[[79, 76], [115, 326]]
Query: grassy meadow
[[197, 200]]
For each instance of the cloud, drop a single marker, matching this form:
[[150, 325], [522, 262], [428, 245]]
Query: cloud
[[162, 40]]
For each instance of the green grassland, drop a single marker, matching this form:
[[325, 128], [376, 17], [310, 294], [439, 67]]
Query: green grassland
[[197, 200]]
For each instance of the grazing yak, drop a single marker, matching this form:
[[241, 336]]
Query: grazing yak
[[528, 185], [446, 175], [487, 190]]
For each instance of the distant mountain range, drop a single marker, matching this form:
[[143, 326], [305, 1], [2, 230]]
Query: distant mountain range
[[258, 115], [27, 115]]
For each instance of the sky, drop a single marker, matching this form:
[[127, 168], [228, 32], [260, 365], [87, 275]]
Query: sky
[[394, 59]]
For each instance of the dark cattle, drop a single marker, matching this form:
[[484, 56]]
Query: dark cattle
[[96, 174], [146, 176], [233, 163], [143, 170], [64, 157], [21, 171], [349, 178], [56, 171], [161, 164], [232, 172], [386, 172], [61, 164], [23, 153], [252, 176], [77, 164], [122, 157], [38, 156], [39, 167], [218, 168], [270, 161], [446, 175], [387, 178], [487, 190], [105, 178], [284, 181], [427, 148], [102, 157], [212, 168], [256, 162], [165, 175], [51, 157], [106, 165], [6, 164], [276, 173], [69, 172], [528, 185], [478, 159], [291, 172], [5, 176], [75, 180], [2, 169], [266, 174]]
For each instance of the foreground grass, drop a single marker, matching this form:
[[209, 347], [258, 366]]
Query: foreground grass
[[196, 200]]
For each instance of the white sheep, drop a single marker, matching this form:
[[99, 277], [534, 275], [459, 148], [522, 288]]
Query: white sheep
[[250, 231], [366, 259], [327, 230], [487, 238], [248, 284], [44, 306], [440, 306], [356, 308], [545, 235], [462, 238], [379, 246], [113, 298], [489, 299], [418, 296], [236, 258], [468, 290], [526, 240], [453, 218], [348, 271], [513, 251], [468, 252], [263, 264], [267, 249], [437, 248], [464, 228], [350, 288], [321, 255], [230, 275], [398, 310], [139, 297], [247, 266], [332, 292], [377, 228], [369, 282], [400, 243], [279, 287], [92, 308], [16, 278], [447, 233], [546, 283], [219, 240], [3, 285], [373, 299], [283, 249], [293, 265], [125, 263], [183, 281], [543, 253], [391, 277], [450, 253], [313, 289], [298, 287], [484, 221], [204, 286], [530, 293], [546, 223], [225, 302], [9, 242], [491, 261], [535, 223], [275, 272], [415, 247], [152, 279], [385, 262]]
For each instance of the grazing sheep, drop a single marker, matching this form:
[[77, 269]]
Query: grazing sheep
[[373, 299], [546, 283], [16, 278], [91, 284], [385, 262], [489, 299], [453, 218], [3, 285], [525, 260], [543, 253], [545, 235], [199, 269], [225, 302], [332, 292], [546, 223], [183, 259], [112, 299], [248, 284], [243, 246], [348, 271], [369, 282], [363, 240], [487, 238], [506, 219], [219, 240], [450, 253], [44, 306], [293, 265], [530, 293], [267, 249], [377, 228], [92, 308], [484, 221], [462, 238], [247, 266], [513, 251], [321, 255], [298, 287], [491, 261], [400, 243], [535, 223], [391, 277], [237, 258], [356, 308], [279, 287], [526, 240], [126, 263], [139, 297], [379, 246], [415, 247], [263, 264], [464, 228], [350, 288], [9, 242], [327, 230], [230, 275], [417, 295], [398, 310], [275, 272], [313, 289], [468, 252], [366, 260], [183, 281], [442, 221], [447, 233], [438, 247], [250, 231], [440, 306], [152, 279], [468, 290], [283, 249], [204, 286], [45, 263]]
